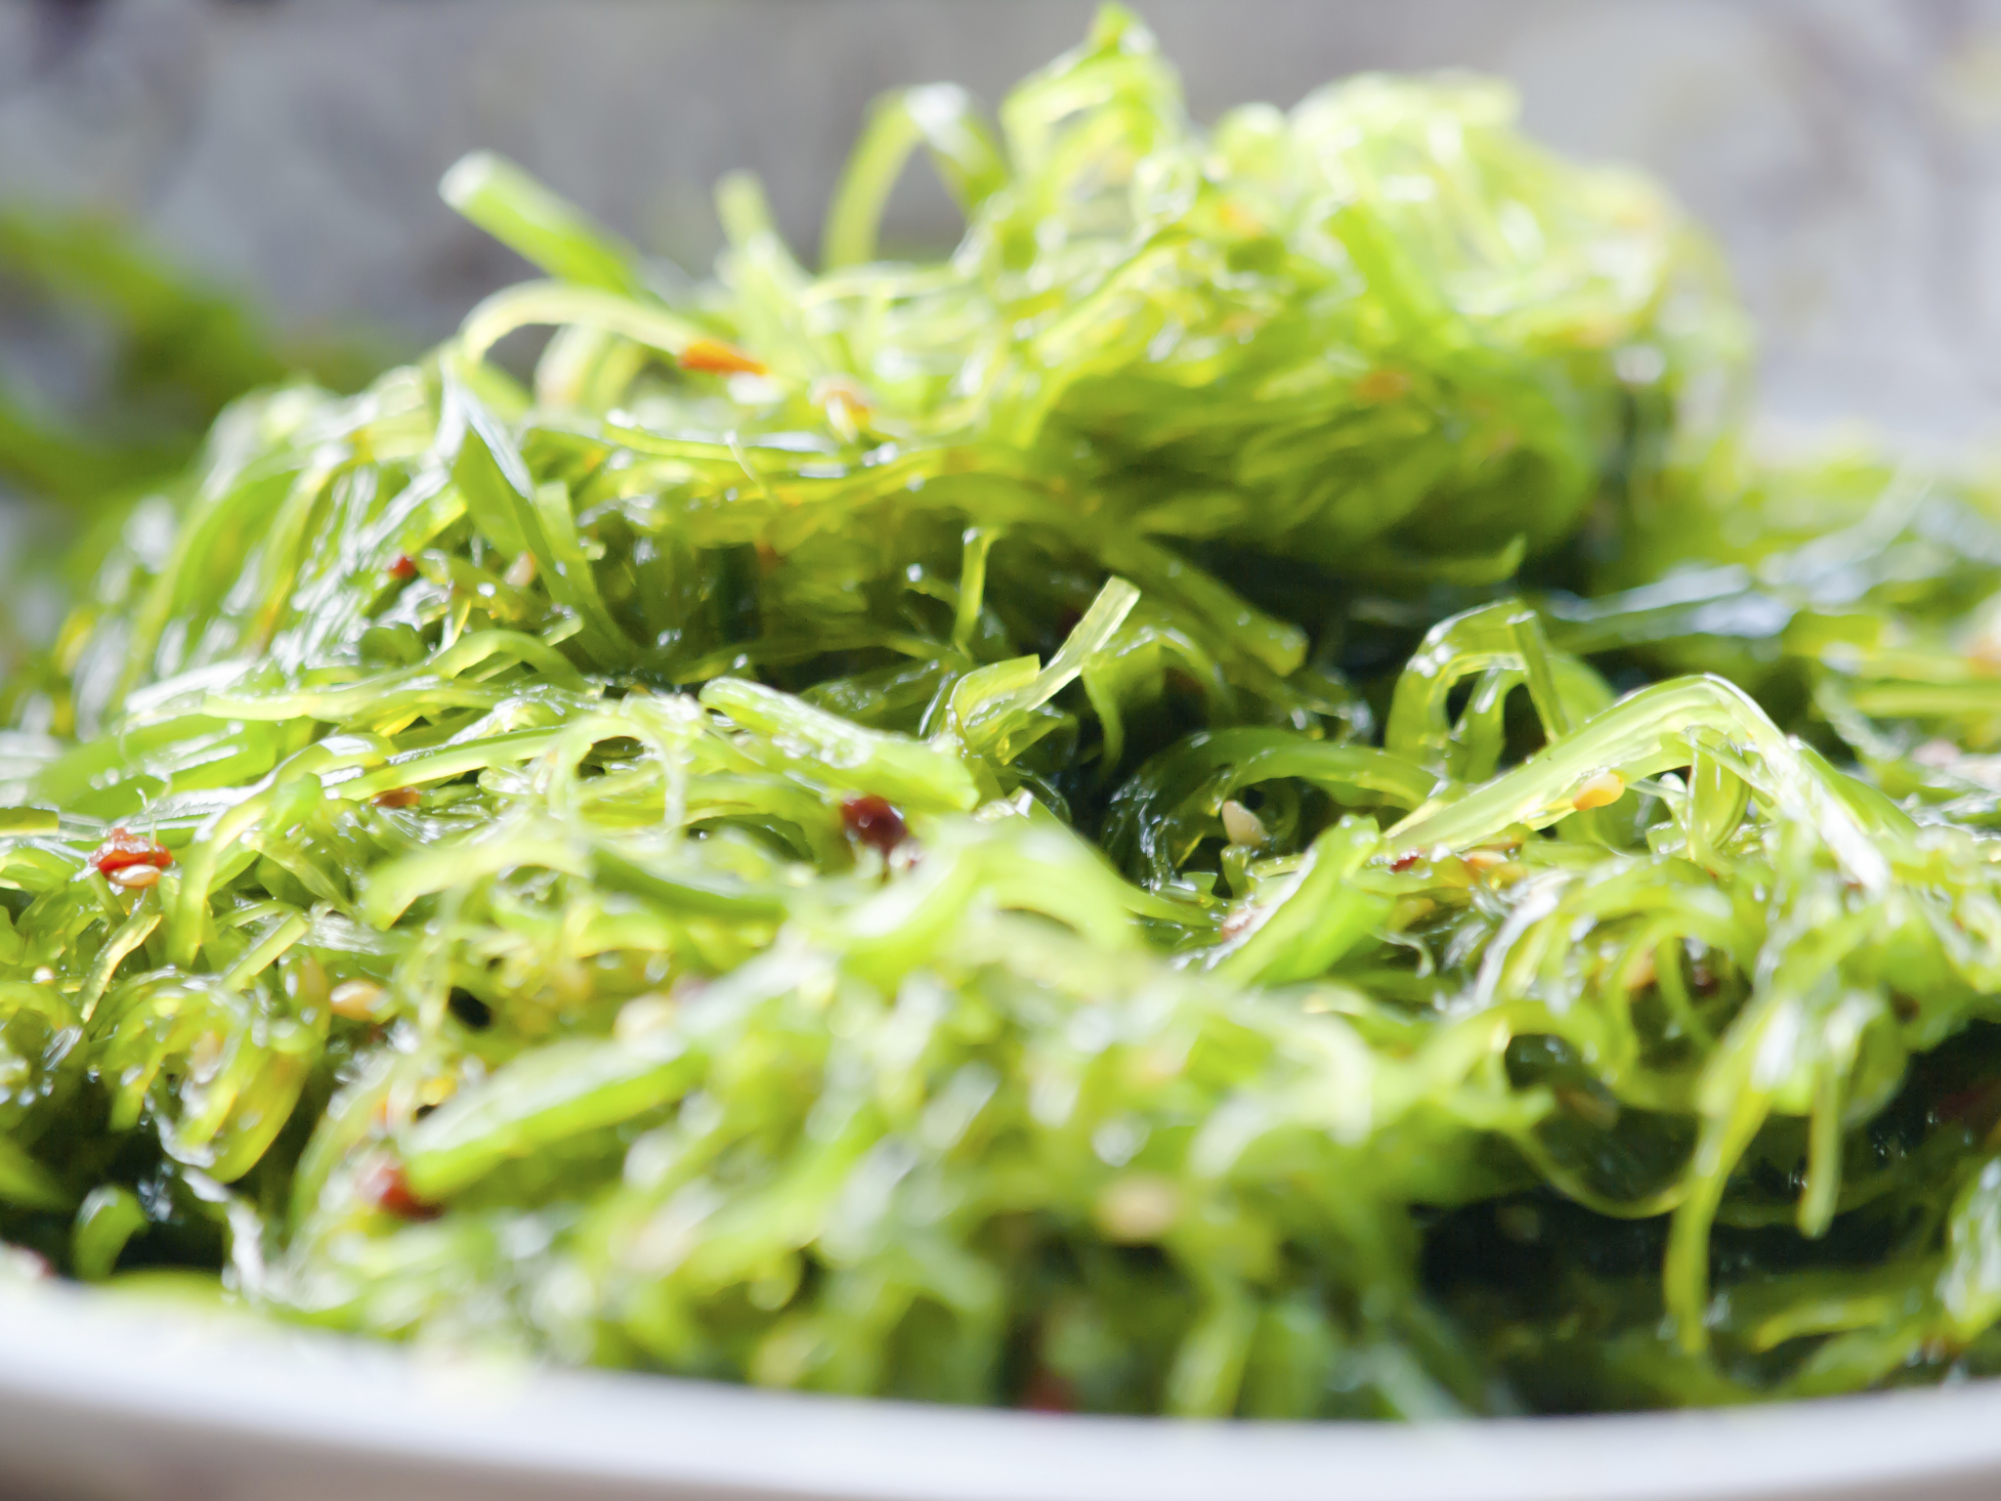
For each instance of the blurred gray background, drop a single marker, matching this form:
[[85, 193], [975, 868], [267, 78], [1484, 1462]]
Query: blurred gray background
[[1846, 152]]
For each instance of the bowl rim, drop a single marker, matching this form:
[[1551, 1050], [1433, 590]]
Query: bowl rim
[[73, 1362]]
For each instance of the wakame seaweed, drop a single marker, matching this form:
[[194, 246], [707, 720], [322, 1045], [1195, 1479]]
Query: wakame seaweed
[[1238, 798]]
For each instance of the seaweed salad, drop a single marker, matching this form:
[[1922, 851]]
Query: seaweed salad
[[1241, 797]]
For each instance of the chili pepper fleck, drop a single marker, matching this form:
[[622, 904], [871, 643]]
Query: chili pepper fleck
[[872, 821]]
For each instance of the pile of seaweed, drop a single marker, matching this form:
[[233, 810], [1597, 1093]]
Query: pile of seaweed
[[1234, 798]]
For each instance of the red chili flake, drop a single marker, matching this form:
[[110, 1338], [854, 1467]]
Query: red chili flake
[[402, 566], [1046, 1391], [398, 797], [384, 1184], [124, 850], [1961, 1103], [713, 357], [874, 822], [1404, 862], [1974, 1107]]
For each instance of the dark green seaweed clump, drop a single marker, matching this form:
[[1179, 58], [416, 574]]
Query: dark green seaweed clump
[[1234, 799]]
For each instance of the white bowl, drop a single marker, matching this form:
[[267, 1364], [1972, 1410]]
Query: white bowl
[[104, 1400]]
